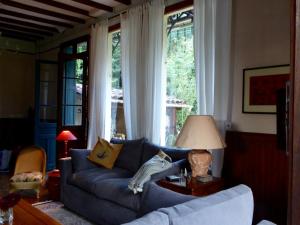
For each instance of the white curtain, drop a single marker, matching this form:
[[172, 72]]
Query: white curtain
[[144, 83], [212, 32], [99, 85]]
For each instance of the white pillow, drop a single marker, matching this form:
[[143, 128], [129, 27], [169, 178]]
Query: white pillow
[[157, 163]]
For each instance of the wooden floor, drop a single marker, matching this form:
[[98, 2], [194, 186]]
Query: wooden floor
[[27, 195]]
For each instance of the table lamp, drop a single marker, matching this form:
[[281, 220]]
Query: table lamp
[[200, 133], [66, 136]]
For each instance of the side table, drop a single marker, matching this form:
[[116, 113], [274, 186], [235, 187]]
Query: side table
[[194, 187], [53, 184]]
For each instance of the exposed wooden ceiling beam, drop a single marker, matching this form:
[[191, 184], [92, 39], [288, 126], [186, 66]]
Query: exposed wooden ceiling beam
[[19, 34], [34, 18], [95, 5], [42, 11], [125, 2], [64, 6], [24, 29], [28, 24]]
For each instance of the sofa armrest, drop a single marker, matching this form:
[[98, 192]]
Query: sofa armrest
[[265, 222], [174, 169], [80, 161], [65, 170], [155, 197]]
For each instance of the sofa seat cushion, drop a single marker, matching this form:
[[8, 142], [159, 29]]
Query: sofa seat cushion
[[88, 179], [116, 190], [27, 177]]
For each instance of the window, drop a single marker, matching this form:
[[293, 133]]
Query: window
[[118, 129], [181, 78], [73, 87]]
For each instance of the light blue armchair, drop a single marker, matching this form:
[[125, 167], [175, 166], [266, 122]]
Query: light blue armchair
[[233, 206]]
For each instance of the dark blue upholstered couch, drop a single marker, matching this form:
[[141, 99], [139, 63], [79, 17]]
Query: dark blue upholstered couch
[[101, 195]]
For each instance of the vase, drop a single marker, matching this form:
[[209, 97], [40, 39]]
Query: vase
[[6, 216]]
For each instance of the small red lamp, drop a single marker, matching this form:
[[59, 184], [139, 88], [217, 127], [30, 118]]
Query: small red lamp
[[66, 136]]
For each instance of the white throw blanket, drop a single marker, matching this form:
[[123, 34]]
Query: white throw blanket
[[157, 163]]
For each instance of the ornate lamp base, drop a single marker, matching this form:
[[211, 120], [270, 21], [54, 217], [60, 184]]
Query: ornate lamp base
[[199, 161]]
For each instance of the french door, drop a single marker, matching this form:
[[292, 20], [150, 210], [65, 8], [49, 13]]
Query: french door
[[73, 91]]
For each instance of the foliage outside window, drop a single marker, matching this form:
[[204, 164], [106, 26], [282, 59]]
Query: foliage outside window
[[117, 109], [181, 78]]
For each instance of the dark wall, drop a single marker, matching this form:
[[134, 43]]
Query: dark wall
[[15, 134]]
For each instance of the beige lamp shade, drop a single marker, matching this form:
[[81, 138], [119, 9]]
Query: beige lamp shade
[[200, 132]]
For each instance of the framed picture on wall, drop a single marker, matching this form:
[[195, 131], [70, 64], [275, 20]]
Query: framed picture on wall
[[260, 86]]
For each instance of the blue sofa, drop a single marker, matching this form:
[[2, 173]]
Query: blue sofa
[[101, 195]]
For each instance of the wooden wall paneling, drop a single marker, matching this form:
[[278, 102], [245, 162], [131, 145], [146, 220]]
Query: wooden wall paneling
[[294, 141], [254, 159]]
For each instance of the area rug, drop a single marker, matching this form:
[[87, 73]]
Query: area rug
[[57, 211]]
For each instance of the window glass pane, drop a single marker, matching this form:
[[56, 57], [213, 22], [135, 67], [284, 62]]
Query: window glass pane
[[72, 94], [82, 47], [68, 50], [118, 129], [47, 114], [72, 115], [181, 79], [48, 93], [48, 72], [74, 69]]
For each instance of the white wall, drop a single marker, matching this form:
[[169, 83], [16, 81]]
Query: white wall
[[261, 37]]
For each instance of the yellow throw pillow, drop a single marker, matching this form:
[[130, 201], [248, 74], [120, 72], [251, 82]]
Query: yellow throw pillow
[[105, 153]]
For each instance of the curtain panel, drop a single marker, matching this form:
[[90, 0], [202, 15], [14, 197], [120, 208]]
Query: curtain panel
[[144, 83], [99, 90], [212, 38]]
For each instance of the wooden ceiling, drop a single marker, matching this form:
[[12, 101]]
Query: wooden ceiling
[[34, 20]]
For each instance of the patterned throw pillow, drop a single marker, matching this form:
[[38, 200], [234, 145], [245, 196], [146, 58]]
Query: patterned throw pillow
[[27, 177], [104, 153]]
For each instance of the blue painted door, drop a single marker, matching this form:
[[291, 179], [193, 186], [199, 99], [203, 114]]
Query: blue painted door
[[46, 109]]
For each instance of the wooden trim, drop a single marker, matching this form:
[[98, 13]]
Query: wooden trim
[[28, 24], [125, 2], [114, 27], [95, 5], [34, 18], [20, 35], [42, 11], [64, 6], [24, 29], [294, 145], [177, 6]]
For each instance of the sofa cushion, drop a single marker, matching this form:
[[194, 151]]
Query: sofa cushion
[[229, 207], [27, 177], [105, 153], [130, 155], [88, 179], [149, 150], [79, 160], [116, 190]]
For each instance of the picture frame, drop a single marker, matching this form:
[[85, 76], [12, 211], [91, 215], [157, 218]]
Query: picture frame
[[259, 88]]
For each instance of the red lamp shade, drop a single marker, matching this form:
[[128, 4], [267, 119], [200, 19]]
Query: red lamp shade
[[66, 135]]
